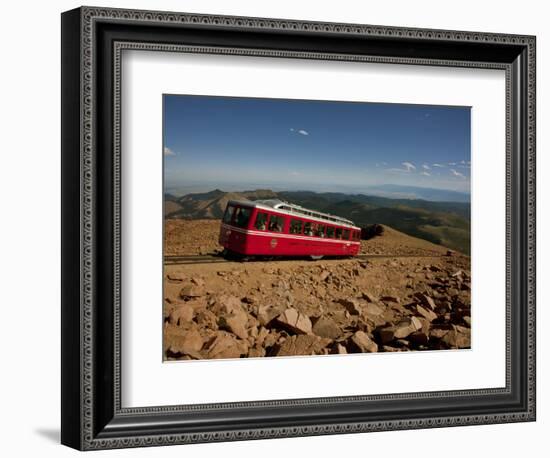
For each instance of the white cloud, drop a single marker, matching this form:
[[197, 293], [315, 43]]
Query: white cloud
[[425, 166], [425, 174], [457, 174], [299, 131], [396, 170], [452, 163], [168, 152], [408, 165], [438, 165]]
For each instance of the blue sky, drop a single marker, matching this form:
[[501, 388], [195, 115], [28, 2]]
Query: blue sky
[[244, 143]]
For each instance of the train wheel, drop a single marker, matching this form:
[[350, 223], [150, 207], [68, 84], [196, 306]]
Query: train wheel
[[316, 258]]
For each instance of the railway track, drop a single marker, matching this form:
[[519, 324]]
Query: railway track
[[213, 259]]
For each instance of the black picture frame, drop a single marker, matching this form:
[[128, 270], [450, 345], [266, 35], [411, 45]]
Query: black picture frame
[[92, 416]]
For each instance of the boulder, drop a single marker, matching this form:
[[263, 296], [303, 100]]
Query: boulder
[[227, 304], [353, 306], [425, 300], [438, 333], [364, 343], [456, 340], [419, 338], [190, 291], [407, 326], [386, 335], [326, 327], [426, 313], [256, 352], [236, 321], [181, 314], [295, 321], [188, 342], [207, 319], [373, 309], [226, 346], [339, 349], [266, 313], [302, 345]]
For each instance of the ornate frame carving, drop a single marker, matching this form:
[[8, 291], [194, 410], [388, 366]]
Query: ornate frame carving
[[101, 421]]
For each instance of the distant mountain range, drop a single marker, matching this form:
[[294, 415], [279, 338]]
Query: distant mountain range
[[443, 222], [396, 191]]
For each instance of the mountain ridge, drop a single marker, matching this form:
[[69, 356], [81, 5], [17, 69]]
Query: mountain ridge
[[443, 223]]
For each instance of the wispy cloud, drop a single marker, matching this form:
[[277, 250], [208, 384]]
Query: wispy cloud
[[396, 170], [299, 131], [169, 152], [408, 166], [452, 163], [457, 174], [425, 166], [426, 174], [438, 165]]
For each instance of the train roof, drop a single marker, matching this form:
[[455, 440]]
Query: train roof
[[296, 210]]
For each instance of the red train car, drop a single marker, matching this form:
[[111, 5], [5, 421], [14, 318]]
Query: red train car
[[276, 228]]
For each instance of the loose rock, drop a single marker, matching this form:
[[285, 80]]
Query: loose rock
[[364, 343], [302, 345], [295, 321]]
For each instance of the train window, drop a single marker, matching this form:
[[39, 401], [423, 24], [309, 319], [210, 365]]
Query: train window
[[338, 232], [308, 230], [228, 215], [320, 230], [295, 226], [330, 232], [276, 223], [261, 221], [242, 216], [345, 236]]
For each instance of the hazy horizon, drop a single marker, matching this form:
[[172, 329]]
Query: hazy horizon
[[402, 192]]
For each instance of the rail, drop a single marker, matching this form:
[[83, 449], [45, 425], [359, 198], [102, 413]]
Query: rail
[[212, 259]]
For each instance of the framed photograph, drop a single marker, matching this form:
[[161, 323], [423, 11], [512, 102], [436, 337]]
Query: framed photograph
[[276, 228]]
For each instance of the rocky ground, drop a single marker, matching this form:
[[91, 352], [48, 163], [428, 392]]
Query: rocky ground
[[298, 307]]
